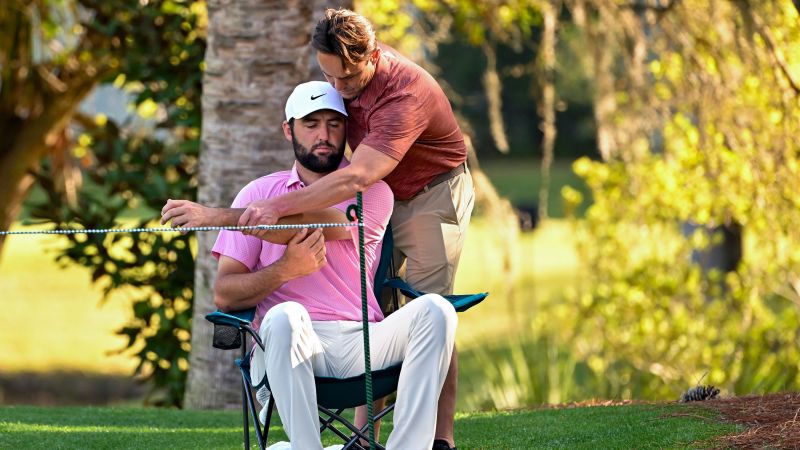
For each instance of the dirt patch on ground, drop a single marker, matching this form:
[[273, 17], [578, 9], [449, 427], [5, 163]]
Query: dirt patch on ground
[[772, 421], [596, 402]]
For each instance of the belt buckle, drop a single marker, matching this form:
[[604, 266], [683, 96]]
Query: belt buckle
[[424, 189]]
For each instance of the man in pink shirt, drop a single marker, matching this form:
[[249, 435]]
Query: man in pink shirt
[[307, 292]]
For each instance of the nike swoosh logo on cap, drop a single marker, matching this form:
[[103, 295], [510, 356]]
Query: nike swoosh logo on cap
[[314, 97]]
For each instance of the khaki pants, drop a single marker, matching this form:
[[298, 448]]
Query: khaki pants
[[429, 231]]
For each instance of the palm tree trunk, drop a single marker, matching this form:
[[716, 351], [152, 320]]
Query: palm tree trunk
[[258, 51]]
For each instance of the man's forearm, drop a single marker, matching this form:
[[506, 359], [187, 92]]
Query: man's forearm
[[224, 217], [239, 291], [329, 190]]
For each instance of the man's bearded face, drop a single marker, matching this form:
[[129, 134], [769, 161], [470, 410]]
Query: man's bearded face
[[322, 157]]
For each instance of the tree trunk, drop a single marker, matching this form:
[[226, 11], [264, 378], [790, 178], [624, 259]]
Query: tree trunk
[[605, 103], [257, 53], [547, 103], [12, 191], [37, 101], [27, 141], [599, 61]]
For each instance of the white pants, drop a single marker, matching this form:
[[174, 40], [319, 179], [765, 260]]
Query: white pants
[[420, 335]]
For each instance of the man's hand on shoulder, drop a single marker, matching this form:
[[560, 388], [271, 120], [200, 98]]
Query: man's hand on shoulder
[[185, 213], [305, 253], [259, 212]]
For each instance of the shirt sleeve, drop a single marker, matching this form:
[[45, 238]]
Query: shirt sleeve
[[234, 244], [378, 203], [395, 124]]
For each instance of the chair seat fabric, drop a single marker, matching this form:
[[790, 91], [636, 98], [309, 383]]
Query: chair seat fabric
[[336, 393]]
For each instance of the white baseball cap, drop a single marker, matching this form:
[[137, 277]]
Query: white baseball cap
[[313, 96]]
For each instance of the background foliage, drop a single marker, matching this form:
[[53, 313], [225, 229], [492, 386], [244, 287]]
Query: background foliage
[[705, 118], [128, 170], [486, 55], [717, 148], [696, 114]]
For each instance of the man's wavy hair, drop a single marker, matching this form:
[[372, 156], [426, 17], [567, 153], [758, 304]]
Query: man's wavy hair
[[344, 33]]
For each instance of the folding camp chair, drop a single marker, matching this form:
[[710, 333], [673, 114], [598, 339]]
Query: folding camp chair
[[334, 395]]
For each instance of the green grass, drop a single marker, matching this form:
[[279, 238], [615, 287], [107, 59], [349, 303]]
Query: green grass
[[519, 180], [615, 427], [623, 427]]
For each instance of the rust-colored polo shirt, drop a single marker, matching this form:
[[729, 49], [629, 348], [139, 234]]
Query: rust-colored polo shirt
[[404, 114]]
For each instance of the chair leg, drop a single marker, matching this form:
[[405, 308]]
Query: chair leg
[[248, 404], [249, 401], [384, 412], [245, 419], [245, 393], [270, 408], [254, 414], [352, 442], [364, 429], [327, 424]]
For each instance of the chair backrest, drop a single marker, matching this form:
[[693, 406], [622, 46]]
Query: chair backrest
[[384, 263]]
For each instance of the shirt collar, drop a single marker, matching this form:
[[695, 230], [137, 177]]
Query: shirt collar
[[294, 177]]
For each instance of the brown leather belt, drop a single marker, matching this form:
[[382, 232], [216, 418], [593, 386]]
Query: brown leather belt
[[441, 178]]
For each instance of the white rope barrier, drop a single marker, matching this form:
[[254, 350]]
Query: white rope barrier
[[181, 229]]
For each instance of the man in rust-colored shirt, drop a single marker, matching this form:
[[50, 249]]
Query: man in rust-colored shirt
[[403, 114], [402, 130]]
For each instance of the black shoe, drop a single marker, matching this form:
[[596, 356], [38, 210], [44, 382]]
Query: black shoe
[[441, 444]]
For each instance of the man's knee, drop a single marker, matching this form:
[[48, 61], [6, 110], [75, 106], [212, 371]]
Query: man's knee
[[283, 319], [437, 312]]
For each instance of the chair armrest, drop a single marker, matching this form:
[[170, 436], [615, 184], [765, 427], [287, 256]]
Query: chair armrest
[[232, 319], [461, 302]]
